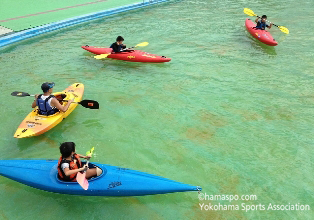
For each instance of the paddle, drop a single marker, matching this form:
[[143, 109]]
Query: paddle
[[81, 177], [91, 104], [102, 56], [251, 13]]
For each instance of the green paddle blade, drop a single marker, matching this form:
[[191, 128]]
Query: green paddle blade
[[143, 44], [249, 12], [89, 104], [20, 94], [101, 56], [90, 152]]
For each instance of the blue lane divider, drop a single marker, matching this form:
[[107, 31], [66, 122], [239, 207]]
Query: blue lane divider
[[22, 35]]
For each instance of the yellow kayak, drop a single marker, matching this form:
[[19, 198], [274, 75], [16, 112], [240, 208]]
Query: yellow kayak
[[35, 124]]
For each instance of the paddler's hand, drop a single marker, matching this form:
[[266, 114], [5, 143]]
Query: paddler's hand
[[70, 101], [84, 168], [36, 96]]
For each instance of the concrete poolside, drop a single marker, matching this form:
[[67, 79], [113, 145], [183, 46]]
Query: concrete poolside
[[18, 16], [4, 30], [51, 20]]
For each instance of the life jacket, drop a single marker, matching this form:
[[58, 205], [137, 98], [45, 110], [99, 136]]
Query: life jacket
[[261, 25], [44, 108], [117, 48], [72, 166]]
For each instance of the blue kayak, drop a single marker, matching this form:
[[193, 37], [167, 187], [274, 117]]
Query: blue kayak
[[114, 181]]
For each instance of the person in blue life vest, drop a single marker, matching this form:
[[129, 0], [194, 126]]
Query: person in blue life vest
[[118, 46], [69, 164], [48, 103], [261, 24]]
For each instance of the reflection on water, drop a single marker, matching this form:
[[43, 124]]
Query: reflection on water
[[270, 50]]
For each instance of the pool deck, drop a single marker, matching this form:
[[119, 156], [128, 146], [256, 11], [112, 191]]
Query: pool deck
[[30, 21], [20, 15], [4, 30]]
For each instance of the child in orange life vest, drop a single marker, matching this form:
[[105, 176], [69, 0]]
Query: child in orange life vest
[[70, 164]]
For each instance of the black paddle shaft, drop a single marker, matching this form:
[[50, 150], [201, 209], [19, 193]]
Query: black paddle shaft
[[91, 104], [268, 21]]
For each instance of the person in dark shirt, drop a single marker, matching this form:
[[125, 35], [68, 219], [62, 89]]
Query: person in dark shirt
[[118, 46], [261, 24]]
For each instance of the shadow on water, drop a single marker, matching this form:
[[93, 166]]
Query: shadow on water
[[25, 143], [51, 138], [270, 50], [128, 66], [21, 192], [282, 39]]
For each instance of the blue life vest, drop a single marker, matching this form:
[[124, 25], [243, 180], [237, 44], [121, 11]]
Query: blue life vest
[[43, 106], [261, 25]]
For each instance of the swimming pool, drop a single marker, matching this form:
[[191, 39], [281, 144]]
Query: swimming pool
[[227, 113]]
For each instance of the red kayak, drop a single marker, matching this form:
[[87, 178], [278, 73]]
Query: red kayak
[[261, 35], [131, 56]]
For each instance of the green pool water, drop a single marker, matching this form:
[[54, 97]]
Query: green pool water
[[227, 113]]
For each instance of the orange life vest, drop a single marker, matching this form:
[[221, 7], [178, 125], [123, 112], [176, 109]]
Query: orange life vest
[[72, 166]]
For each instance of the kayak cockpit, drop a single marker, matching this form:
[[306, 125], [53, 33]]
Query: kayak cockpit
[[104, 172]]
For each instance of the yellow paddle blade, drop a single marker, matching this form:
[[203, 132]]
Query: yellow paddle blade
[[143, 44], [284, 29], [249, 12], [90, 152], [101, 56]]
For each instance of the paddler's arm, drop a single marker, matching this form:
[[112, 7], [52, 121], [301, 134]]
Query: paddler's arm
[[34, 104], [55, 103], [256, 20], [270, 24], [69, 172], [128, 49]]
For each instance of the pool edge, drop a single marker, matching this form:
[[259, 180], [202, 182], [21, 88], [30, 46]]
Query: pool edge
[[14, 37]]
